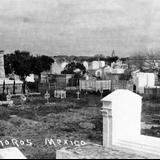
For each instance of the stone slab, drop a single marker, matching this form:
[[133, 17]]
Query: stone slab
[[94, 151], [11, 153]]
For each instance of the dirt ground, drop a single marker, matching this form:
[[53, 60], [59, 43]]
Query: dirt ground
[[38, 130]]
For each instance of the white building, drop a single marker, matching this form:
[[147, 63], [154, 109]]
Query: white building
[[142, 80], [85, 63], [95, 65], [30, 78], [57, 68]]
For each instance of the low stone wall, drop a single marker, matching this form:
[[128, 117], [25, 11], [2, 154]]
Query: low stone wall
[[152, 92]]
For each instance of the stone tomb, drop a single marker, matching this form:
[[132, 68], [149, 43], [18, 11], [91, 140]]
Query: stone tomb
[[122, 123], [11, 153], [60, 94], [121, 131]]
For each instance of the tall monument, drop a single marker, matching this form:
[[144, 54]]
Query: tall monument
[[2, 71]]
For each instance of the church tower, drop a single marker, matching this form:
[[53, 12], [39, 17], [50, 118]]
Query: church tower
[[113, 53]]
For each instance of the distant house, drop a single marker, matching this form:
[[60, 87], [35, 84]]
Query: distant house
[[103, 72], [119, 67], [113, 76], [86, 64], [142, 80], [58, 67], [30, 78], [95, 65], [64, 64]]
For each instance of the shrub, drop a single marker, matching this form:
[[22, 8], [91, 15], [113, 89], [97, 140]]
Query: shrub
[[2, 97], [4, 114]]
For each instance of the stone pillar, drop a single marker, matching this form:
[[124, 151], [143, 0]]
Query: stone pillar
[[107, 124], [2, 71]]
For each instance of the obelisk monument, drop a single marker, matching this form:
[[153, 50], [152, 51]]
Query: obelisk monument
[[2, 71]]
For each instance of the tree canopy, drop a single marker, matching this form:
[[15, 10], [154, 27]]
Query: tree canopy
[[72, 67], [23, 64]]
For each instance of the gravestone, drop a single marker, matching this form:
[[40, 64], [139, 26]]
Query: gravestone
[[60, 94], [125, 108], [78, 95], [9, 96], [23, 98], [63, 94], [122, 123], [47, 96], [11, 153]]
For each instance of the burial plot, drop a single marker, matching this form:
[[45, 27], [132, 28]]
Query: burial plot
[[122, 123]]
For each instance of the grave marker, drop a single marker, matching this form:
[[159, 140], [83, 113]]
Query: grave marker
[[9, 100], [122, 113], [122, 123], [23, 97], [8, 97], [63, 94], [60, 94], [47, 96], [78, 95]]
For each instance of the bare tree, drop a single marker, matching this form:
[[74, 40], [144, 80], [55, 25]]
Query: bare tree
[[148, 62]]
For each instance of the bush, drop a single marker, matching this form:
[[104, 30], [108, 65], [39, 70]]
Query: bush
[[4, 114], [32, 86], [2, 97]]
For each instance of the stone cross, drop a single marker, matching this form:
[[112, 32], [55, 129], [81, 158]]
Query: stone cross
[[47, 96], [101, 90], [23, 98], [9, 96], [78, 95]]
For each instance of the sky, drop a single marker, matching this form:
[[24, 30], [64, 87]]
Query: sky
[[80, 27]]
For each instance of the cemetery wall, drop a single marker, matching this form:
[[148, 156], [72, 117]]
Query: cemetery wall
[[113, 77], [152, 92], [121, 84], [94, 85], [10, 87]]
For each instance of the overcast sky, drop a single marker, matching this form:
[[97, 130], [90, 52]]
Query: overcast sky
[[80, 27]]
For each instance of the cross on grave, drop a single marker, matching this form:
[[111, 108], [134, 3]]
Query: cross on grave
[[101, 91], [78, 95], [27, 92], [63, 94], [9, 100], [23, 99], [47, 96], [8, 97]]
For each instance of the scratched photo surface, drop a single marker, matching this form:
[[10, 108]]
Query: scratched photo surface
[[79, 79]]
